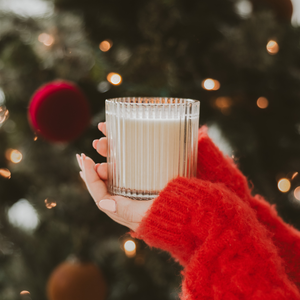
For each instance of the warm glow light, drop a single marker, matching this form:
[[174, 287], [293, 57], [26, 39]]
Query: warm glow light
[[297, 193], [223, 102], [294, 175], [5, 173], [272, 47], [3, 114], [262, 102], [105, 45], [24, 293], [35, 138], [46, 39], [284, 185], [210, 84], [130, 248], [50, 203], [14, 156], [114, 78]]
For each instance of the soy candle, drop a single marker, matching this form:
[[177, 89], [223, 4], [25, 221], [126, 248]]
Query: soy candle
[[150, 142]]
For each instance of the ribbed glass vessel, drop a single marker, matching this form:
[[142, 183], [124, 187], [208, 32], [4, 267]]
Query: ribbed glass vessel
[[150, 142]]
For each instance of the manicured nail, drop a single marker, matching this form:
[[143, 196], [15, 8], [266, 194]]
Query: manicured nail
[[81, 175], [78, 160], [95, 142], [109, 205], [100, 126]]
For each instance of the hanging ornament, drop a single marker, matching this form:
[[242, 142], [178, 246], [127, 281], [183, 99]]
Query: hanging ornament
[[59, 111], [76, 281]]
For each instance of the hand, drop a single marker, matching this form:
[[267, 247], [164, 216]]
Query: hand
[[122, 210]]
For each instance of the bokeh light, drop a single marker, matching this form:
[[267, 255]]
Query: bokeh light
[[297, 193], [24, 293], [4, 113], [46, 39], [294, 175], [13, 155], [104, 46], [262, 102], [272, 47], [211, 84], [5, 173], [114, 78], [130, 248], [50, 203], [23, 215], [284, 185]]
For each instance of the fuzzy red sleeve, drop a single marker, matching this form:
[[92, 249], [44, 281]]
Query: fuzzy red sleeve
[[228, 254], [214, 167]]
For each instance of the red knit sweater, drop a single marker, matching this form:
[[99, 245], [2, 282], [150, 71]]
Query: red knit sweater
[[233, 246]]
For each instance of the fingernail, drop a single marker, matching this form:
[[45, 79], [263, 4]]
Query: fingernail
[[78, 159], [96, 166], [81, 175], [95, 142], [109, 205], [100, 125]]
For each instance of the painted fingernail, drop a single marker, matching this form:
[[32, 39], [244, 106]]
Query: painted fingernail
[[78, 159], [95, 142], [81, 175], [109, 205]]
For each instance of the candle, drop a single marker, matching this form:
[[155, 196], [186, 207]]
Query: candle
[[150, 142]]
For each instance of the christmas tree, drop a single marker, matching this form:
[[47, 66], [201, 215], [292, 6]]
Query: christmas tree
[[238, 57]]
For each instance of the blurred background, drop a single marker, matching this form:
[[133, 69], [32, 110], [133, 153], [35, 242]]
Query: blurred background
[[60, 60]]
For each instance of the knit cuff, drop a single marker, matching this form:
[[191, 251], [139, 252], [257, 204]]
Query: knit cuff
[[213, 166], [168, 222]]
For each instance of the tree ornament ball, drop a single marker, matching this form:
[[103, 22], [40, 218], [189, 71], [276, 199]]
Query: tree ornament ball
[[76, 281], [59, 111]]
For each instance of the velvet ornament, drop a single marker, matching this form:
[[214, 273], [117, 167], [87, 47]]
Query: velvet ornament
[[59, 111]]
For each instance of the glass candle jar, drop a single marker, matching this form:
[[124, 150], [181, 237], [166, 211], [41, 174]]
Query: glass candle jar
[[150, 142]]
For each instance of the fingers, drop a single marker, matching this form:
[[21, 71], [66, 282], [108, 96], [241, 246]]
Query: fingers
[[101, 146], [102, 127], [101, 169], [96, 187]]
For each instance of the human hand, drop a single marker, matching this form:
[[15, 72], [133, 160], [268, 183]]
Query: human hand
[[122, 210]]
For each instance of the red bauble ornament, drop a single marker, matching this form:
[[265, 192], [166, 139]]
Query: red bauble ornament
[[59, 111], [76, 281]]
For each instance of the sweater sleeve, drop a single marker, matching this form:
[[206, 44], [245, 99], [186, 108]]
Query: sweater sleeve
[[227, 252], [215, 167]]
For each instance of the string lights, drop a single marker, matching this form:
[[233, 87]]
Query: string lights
[[13, 155], [272, 47], [297, 193], [46, 39], [104, 46], [284, 185], [262, 102], [130, 248], [5, 173], [210, 84], [4, 113], [50, 203], [114, 78]]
